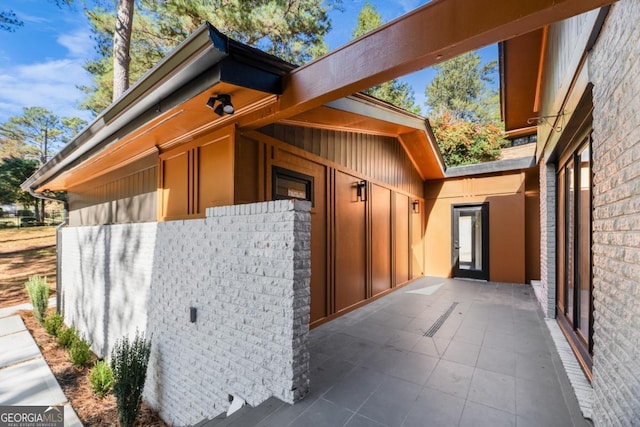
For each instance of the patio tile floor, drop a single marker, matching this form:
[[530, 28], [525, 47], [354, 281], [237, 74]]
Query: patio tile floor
[[491, 363]]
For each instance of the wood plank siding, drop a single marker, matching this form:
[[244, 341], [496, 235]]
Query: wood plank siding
[[379, 157], [125, 195]]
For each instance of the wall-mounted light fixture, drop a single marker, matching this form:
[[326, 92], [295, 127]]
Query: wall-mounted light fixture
[[416, 206], [361, 190], [225, 105]]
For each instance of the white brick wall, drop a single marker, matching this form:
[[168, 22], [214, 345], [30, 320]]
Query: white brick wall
[[547, 290], [107, 270], [614, 67], [246, 269]]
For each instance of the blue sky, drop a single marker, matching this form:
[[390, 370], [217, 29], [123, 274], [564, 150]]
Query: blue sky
[[41, 62]]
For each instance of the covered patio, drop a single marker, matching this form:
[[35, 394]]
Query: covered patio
[[438, 352]]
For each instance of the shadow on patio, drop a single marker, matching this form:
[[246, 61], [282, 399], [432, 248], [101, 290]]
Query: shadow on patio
[[439, 352]]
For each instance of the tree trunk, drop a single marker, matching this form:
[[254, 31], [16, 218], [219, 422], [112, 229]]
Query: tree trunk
[[121, 44]]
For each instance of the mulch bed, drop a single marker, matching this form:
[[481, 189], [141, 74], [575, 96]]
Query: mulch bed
[[91, 409]]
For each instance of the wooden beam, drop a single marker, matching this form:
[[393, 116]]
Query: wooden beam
[[435, 32]]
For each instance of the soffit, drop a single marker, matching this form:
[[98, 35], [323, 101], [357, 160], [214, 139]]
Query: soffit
[[520, 69]]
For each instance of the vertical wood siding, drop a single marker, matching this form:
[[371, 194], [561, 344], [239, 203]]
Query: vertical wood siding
[[116, 199], [380, 157]]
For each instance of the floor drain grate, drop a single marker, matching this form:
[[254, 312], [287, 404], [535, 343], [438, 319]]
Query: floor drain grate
[[438, 323]]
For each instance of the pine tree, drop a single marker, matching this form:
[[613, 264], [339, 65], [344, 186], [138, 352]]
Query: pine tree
[[395, 91], [464, 110], [293, 30]]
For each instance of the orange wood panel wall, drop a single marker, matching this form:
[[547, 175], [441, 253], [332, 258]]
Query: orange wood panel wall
[[196, 176], [505, 194], [380, 239], [401, 241], [350, 243]]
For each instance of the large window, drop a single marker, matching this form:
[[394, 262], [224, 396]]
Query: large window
[[574, 299]]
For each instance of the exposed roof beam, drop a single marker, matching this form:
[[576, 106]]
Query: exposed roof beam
[[437, 31]]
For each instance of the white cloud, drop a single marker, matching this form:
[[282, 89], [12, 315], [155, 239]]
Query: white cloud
[[51, 83], [78, 43]]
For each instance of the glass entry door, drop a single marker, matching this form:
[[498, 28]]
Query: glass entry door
[[470, 241]]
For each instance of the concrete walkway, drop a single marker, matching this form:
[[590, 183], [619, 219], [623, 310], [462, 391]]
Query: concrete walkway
[[439, 352], [25, 377]]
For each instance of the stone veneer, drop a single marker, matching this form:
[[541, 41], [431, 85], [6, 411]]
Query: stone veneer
[[245, 269], [545, 293], [614, 68]]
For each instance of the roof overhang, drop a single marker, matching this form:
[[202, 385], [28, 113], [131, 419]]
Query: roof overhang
[[204, 60]]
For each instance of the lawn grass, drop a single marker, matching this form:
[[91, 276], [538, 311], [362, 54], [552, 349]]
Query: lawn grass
[[25, 252]]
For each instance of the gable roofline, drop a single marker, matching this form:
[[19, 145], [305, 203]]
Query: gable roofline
[[206, 57]]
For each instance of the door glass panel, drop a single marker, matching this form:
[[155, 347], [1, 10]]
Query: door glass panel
[[470, 235], [584, 242], [570, 239]]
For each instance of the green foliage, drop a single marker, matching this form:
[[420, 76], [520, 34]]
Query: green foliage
[[293, 30], [80, 353], [53, 324], [101, 378], [460, 90], [38, 292], [462, 142], [67, 336], [395, 91], [9, 21], [129, 364], [13, 172]]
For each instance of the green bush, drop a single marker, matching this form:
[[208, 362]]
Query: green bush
[[101, 378], [129, 364], [80, 353], [53, 324], [66, 337], [38, 292]]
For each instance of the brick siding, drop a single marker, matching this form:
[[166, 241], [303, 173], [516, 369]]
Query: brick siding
[[246, 269], [547, 290], [614, 66]]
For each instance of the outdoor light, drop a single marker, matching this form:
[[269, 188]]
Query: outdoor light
[[361, 190], [416, 206], [225, 105]]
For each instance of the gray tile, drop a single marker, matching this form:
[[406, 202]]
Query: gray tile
[[404, 340], [322, 414], [498, 340], [286, 414], [492, 389], [363, 329], [328, 373], [358, 351], [462, 352], [501, 361], [475, 414], [391, 402], [385, 359], [536, 367], [356, 387], [434, 408], [360, 421], [37, 385], [470, 335], [426, 345], [414, 367], [532, 396], [452, 378]]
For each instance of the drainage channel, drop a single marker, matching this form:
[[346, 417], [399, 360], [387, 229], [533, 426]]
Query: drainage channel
[[438, 323]]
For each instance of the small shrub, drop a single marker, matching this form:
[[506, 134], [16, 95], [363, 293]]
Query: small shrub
[[66, 337], [80, 353], [101, 378], [38, 292], [129, 364], [53, 324]]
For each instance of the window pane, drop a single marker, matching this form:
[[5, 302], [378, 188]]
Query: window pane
[[570, 238], [584, 242]]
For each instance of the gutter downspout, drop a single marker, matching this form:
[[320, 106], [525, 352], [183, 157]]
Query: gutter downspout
[[64, 223]]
